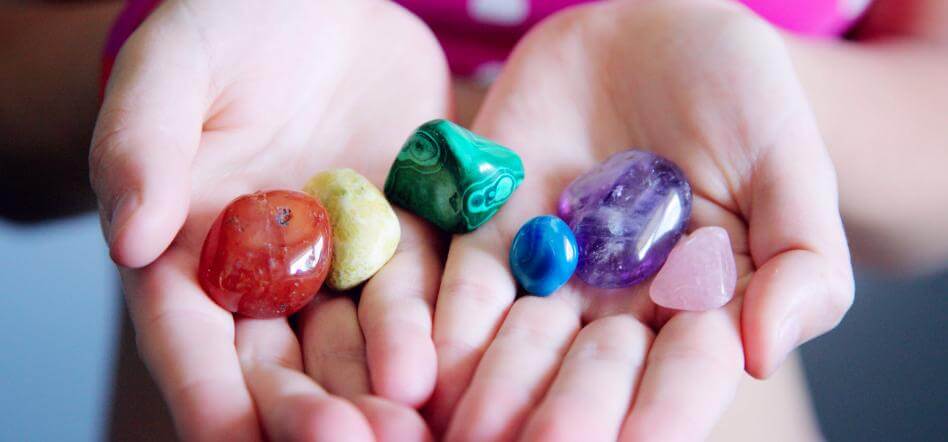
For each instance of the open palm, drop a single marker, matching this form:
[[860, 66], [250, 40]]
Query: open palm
[[708, 86], [211, 99]]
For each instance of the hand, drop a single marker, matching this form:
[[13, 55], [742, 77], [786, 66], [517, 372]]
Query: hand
[[710, 87], [211, 99]]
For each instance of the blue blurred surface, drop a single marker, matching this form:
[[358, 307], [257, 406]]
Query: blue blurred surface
[[882, 375], [59, 315]]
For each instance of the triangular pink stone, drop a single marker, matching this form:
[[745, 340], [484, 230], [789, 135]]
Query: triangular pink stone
[[699, 274]]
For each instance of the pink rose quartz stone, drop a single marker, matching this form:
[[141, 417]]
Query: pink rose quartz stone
[[700, 273]]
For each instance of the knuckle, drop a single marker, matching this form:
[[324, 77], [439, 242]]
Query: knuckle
[[539, 323], [171, 319], [720, 362], [381, 297], [198, 387], [319, 417], [336, 351], [477, 290], [110, 128], [514, 335], [603, 350], [555, 429], [100, 157], [553, 312], [151, 331], [455, 346], [616, 338], [285, 360], [618, 325], [407, 317], [105, 152]]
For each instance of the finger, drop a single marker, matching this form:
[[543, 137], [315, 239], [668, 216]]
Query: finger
[[333, 348], [187, 342], [291, 405], [515, 370], [393, 422], [593, 389], [477, 287], [804, 282], [146, 136], [476, 291], [691, 375], [395, 311]]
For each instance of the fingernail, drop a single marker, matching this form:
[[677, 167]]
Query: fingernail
[[125, 206], [787, 339]]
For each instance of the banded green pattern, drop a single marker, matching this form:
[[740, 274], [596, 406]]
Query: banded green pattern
[[452, 177]]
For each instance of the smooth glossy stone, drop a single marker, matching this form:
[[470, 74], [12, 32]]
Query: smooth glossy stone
[[700, 273], [452, 177], [267, 254], [543, 255], [365, 230], [627, 214]]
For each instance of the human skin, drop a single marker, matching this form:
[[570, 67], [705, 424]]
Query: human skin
[[905, 94], [201, 108], [712, 89]]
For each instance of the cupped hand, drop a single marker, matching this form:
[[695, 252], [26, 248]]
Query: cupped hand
[[709, 86], [211, 99]]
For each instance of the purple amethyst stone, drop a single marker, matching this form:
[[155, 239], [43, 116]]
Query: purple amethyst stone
[[627, 214]]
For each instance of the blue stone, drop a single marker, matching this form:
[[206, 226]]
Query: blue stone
[[543, 255]]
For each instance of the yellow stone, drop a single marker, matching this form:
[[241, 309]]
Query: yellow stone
[[365, 230]]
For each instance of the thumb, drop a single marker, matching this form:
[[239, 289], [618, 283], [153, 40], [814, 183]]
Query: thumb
[[804, 282], [147, 134]]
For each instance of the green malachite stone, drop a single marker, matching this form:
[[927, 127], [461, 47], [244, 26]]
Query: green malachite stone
[[452, 177]]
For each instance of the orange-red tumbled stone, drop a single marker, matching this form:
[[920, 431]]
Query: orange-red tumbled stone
[[267, 254]]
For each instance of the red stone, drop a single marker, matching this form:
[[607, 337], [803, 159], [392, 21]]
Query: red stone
[[267, 254]]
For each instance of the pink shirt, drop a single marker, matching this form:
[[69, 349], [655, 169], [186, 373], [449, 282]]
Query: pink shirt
[[477, 35]]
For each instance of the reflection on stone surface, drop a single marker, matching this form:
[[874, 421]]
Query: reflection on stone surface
[[452, 177], [267, 254], [627, 214], [543, 255]]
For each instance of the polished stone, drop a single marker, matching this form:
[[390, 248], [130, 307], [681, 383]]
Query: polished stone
[[699, 274], [452, 177], [543, 255], [267, 254], [365, 229], [627, 214]]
